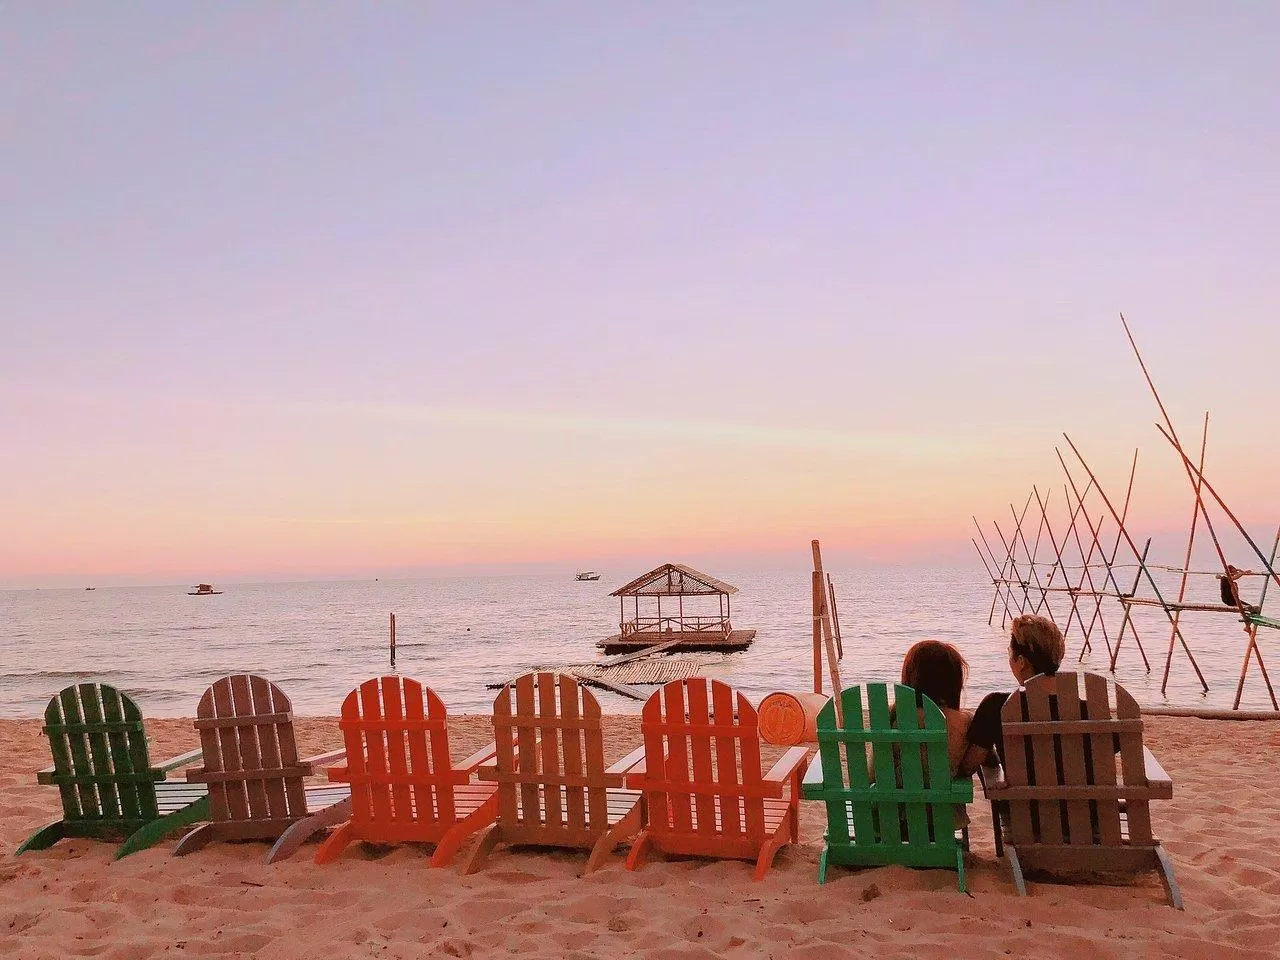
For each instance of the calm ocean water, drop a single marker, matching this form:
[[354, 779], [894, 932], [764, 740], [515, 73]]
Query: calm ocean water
[[320, 639]]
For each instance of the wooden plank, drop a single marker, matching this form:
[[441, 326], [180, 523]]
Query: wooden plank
[[60, 748], [441, 765], [700, 757], [78, 747], [575, 805], [906, 717], [624, 691], [246, 737], [133, 802], [732, 815], [108, 795], [1133, 766], [378, 765], [357, 768], [597, 794], [679, 800], [294, 791], [1044, 759], [1074, 769], [1019, 771], [397, 754], [1107, 811], [751, 776], [269, 749], [526, 752], [550, 751], [640, 654]]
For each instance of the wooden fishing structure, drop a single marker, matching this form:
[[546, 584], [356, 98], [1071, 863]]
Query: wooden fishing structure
[[1079, 571], [688, 623]]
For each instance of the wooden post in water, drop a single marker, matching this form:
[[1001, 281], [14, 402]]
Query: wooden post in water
[[393, 641]]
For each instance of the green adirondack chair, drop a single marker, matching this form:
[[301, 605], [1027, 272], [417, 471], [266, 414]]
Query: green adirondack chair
[[907, 815], [110, 790]]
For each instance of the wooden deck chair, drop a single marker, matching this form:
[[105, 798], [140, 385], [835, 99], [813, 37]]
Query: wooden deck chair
[[1067, 800], [906, 815], [703, 791], [553, 788], [252, 769], [109, 788], [404, 789]]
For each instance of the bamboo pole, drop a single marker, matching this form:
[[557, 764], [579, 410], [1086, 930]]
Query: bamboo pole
[[393, 641], [1033, 557], [828, 640], [1142, 563], [835, 616], [1053, 542], [1186, 563], [1252, 648], [1007, 594]]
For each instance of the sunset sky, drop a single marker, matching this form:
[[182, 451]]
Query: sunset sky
[[297, 290]]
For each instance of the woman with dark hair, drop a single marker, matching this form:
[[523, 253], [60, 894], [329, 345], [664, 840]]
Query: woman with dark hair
[[937, 670]]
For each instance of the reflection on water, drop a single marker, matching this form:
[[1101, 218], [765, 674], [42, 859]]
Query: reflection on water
[[318, 640]]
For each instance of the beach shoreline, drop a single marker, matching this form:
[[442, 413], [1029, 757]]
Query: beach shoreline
[[1221, 830]]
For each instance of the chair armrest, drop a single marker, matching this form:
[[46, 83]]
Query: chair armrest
[[469, 765], [178, 762], [788, 765], [628, 762], [813, 776], [1157, 779], [324, 759], [635, 777], [992, 780]]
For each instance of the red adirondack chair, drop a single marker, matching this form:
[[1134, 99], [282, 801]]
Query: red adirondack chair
[[251, 765], [704, 793], [553, 788], [404, 788]]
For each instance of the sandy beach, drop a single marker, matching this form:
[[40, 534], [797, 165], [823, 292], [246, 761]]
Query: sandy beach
[[1222, 830]]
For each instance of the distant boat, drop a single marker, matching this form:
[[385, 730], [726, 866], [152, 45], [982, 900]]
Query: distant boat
[[587, 575], [202, 590], [91, 588]]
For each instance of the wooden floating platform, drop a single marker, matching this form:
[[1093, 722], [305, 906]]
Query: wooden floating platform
[[705, 641]]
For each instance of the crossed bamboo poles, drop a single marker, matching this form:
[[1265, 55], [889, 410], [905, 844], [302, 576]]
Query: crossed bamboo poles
[[1024, 583]]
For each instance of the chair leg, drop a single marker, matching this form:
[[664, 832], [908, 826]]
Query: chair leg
[[194, 840], [822, 864], [1016, 867], [770, 849], [640, 849], [628, 826], [301, 831], [1166, 874], [482, 816], [332, 848], [480, 852], [44, 838], [995, 826], [154, 831], [960, 881]]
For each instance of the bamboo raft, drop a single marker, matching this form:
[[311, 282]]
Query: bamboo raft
[[687, 641]]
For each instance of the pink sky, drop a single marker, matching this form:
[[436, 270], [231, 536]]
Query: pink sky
[[331, 293]]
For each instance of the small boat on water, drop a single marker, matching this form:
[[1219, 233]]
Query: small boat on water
[[587, 575], [202, 590], [91, 588]]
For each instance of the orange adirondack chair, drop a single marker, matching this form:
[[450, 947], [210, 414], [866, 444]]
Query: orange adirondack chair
[[553, 788], [404, 789], [704, 793], [252, 768]]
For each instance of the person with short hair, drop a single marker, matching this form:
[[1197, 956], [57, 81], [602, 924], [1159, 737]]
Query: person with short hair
[[1036, 647]]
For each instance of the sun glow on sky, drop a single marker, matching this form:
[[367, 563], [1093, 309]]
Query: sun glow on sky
[[350, 290]]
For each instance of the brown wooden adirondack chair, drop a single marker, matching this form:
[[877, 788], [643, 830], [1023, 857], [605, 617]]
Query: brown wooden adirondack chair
[[553, 788], [1068, 800], [252, 768], [703, 790], [404, 789]]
